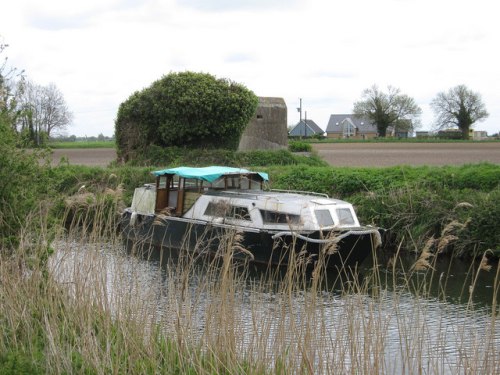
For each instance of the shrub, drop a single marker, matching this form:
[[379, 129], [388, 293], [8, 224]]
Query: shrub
[[186, 109], [298, 146]]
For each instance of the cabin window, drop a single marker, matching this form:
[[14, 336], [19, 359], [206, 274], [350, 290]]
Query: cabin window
[[219, 184], [162, 183], [222, 209], [324, 218], [345, 216], [240, 213], [244, 183], [255, 185], [192, 184], [273, 217], [233, 182]]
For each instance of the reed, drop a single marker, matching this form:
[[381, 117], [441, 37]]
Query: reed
[[84, 303]]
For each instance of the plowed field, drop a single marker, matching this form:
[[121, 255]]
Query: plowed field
[[389, 154], [347, 154]]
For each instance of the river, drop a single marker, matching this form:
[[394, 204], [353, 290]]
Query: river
[[394, 321]]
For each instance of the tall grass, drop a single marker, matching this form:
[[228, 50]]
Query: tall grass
[[92, 307]]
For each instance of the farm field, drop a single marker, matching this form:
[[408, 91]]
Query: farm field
[[345, 154], [84, 156], [390, 154]]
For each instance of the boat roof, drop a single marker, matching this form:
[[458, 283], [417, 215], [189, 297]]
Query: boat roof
[[209, 174], [278, 197]]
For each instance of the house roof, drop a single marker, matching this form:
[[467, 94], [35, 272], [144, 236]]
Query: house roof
[[312, 128], [362, 124]]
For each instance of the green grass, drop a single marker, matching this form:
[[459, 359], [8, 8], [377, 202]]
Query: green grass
[[414, 203], [83, 144]]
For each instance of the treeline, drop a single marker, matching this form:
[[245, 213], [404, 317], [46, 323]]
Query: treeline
[[35, 112], [73, 138]]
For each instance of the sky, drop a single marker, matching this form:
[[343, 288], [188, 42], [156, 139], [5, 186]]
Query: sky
[[99, 52]]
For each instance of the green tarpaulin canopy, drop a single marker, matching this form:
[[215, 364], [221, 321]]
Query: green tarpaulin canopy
[[209, 174]]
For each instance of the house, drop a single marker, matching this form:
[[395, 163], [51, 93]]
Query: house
[[350, 126], [306, 128], [267, 129], [479, 135], [423, 134]]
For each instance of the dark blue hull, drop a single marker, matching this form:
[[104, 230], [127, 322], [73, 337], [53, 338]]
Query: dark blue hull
[[249, 244]]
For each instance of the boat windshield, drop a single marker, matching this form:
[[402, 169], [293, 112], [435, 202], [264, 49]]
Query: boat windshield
[[324, 218], [345, 216]]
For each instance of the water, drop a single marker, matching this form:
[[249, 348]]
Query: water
[[417, 326]]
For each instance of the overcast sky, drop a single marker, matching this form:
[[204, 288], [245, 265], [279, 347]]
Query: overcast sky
[[98, 52]]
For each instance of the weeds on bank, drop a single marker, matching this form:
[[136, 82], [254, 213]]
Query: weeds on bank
[[94, 308]]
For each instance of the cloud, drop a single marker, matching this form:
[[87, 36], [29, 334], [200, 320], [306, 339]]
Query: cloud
[[233, 5], [99, 52], [239, 58]]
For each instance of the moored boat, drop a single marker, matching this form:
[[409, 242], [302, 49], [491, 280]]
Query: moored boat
[[194, 208]]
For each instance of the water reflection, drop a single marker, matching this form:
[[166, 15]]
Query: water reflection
[[382, 327]]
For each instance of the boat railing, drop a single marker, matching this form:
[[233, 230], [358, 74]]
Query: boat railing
[[247, 193], [300, 192]]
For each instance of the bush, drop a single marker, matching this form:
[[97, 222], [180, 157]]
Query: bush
[[22, 186], [298, 146], [186, 109]]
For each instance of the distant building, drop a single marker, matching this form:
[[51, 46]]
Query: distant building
[[306, 128], [350, 126], [267, 130], [422, 134], [450, 134], [479, 135]]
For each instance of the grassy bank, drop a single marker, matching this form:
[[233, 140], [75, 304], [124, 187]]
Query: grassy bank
[[413, 203]]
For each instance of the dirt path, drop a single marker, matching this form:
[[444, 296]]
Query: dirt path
[[85, 156], [389, 154]]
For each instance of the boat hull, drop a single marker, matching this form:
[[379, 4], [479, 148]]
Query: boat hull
[[270, 248]]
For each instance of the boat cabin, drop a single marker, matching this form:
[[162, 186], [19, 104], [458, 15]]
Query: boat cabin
[[235, 196], [177, 189]]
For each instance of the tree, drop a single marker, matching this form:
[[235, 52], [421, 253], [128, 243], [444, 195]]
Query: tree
[[8, 102], [184, 109], [458, 107], [18, 168], [42, 110], [388, 109]]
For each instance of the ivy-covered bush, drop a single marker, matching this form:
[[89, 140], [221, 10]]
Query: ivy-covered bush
[[184, 109]]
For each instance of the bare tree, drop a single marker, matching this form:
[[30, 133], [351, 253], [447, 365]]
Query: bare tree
[[458, 107], [388, 109], [43, 110], [56, 115]]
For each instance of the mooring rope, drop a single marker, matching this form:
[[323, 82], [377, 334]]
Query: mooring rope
[[334, 239]]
